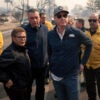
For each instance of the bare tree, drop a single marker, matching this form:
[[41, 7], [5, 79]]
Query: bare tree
[[77, 10], [47, 5], [21, 7], [97, 3], [91, 6], [7, 1], [27, 4]]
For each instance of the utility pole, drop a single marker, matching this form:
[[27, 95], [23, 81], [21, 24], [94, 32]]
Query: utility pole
[[23, 9], [7, 1], [49, 8], [27, 4], [51, 5]]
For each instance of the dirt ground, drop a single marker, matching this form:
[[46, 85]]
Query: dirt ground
[[8, 26]]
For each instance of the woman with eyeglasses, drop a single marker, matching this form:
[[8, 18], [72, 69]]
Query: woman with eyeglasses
[[15, 70], [64, 44], [92, 69]]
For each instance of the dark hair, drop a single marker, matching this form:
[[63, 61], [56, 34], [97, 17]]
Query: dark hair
[[80, 20], [17, 30], [32, 10], [42, 14], [98, 16]]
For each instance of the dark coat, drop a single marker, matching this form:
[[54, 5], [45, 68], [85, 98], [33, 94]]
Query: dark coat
[[15, 65], [64, 54], [37, 45]]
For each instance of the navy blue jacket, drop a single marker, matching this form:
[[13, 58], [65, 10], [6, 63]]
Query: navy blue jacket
[[37, 45], [64, 54]]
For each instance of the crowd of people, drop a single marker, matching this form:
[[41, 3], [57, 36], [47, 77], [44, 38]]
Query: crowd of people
[[62, 51]]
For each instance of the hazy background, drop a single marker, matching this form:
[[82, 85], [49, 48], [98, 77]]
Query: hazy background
[[77, 8], [69, 3]]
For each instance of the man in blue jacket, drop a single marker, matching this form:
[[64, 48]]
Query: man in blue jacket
[[64, 44], [37, 46]]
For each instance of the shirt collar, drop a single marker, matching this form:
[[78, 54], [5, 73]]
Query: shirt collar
[[61, 35]]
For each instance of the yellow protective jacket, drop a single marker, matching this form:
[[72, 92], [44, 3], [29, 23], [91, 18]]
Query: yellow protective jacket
[[1, 42], [94, 59], [49, 25]]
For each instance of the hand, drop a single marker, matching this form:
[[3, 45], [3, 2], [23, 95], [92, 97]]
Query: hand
[[81, 67], [9, 83]]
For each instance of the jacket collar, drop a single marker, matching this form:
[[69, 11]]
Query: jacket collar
[[34, 28], [97, 31], [18, 48], [66, 28]]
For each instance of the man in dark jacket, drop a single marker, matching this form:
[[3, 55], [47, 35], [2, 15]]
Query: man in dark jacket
[[15, 68], [80, 22], [63, 51], [37, 46]]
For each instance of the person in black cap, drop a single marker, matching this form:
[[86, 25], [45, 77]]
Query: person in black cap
[[64, 44]]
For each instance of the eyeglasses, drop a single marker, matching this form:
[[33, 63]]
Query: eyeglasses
[[92, 20], [20, 37], [60, 16]]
